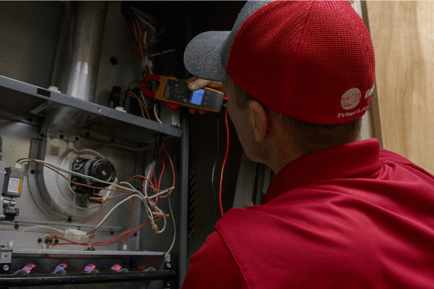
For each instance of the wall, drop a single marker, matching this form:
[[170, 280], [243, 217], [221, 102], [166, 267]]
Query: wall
[[403, 37]]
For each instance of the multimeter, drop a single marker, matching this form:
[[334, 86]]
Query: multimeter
[[176, 91]]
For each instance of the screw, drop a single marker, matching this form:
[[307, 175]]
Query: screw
[[6, 267], [113, 60], [168, 265], [16, 226], [167, 284]]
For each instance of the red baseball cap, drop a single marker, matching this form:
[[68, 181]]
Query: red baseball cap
[[310, 60]]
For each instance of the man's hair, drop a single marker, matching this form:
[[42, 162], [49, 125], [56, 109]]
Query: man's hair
[[308, 137]]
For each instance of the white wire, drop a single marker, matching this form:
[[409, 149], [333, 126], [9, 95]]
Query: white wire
[[148, 175], [174, 231], [148, 210], [164, 52], [165, 222], [143, 20], [143, 98], [142, 198], [88, 177], [34, 227], [114, 208], [132, 189], [150, 145], [150, 214], [75, 173], [156, 114], [161, 193]]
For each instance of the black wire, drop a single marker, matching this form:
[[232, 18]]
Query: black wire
[[213, 170], [99, 225], [1, 147], [137, 181], [128, 89]]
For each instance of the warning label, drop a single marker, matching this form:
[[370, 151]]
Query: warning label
[[14, 186]]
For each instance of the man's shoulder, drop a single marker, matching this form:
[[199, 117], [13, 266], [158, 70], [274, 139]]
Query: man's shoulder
[[389, 157], [386, 155], [213, 266], [296, 246]]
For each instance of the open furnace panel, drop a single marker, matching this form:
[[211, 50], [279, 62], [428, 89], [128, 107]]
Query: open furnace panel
[[93, 173]]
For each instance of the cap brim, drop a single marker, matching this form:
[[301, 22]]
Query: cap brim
[[202, 56]]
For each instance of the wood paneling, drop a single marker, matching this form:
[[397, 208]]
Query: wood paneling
[[403, 37]]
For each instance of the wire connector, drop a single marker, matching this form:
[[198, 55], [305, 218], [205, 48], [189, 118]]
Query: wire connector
[[154, 227], [74, 234]]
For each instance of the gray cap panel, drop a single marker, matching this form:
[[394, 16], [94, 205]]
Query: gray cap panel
[[202, 56], [207, 55], [248, 9]]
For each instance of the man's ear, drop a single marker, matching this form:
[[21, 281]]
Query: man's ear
[[258, 120]]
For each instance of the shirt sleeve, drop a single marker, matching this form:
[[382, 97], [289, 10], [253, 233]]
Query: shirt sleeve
[[213, 266]]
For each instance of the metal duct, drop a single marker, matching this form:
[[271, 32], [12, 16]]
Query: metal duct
[[77, 63]]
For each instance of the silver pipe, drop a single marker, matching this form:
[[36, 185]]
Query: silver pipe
[[79, 50], [77, 63]]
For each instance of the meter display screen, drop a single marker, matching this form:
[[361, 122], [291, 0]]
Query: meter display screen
[[196, 97]]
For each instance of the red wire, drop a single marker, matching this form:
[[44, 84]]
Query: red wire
[[162, 171], [155, 180], [224, 162], [173, 172], [128, 233], [104, 243], [158, 185]]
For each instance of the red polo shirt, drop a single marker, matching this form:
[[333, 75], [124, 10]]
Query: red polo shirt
[[351, 216]]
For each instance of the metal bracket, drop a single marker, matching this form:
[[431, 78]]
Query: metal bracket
[[5, 260]]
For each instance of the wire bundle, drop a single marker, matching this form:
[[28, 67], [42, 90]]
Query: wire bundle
[[153, 211], [143, 107], [140, 36], [116, 239], [142, 45]]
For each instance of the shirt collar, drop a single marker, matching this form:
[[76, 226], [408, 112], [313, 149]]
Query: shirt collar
[[335, 162]]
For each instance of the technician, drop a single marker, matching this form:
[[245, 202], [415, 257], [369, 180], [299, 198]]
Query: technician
[[340, 213]]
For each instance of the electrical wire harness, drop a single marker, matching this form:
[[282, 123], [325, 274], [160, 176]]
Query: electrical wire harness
[[119, 189]]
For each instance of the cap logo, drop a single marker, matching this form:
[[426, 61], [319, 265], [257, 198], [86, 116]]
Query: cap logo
[[370, 92], [351, 98]]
